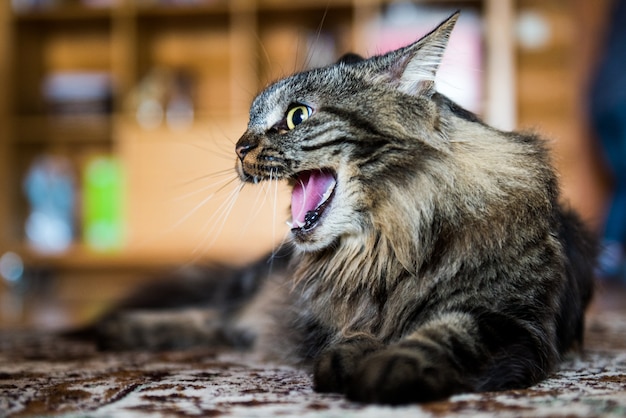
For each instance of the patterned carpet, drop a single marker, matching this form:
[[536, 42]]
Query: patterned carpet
[[42, 375]]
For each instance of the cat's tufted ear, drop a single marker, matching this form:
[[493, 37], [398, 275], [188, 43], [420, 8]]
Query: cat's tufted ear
[[412, 69], [350, 58]]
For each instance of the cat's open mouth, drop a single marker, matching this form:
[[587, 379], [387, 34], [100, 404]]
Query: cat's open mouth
[[312, 193]]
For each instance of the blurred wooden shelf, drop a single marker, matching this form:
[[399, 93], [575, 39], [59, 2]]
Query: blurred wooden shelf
[[65, 129], [65, 14], [224, 50], [80, 257], [202, 9], [304, 5]]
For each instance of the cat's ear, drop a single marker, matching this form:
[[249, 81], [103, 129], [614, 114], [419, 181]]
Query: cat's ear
[[350, 58], [412, 69]]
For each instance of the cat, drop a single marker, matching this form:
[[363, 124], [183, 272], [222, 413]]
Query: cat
[[429, 253]]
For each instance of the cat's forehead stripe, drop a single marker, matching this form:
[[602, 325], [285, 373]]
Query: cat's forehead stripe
[[267, 108]]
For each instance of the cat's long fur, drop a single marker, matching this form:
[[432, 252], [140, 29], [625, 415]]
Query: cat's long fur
[[444, 261]]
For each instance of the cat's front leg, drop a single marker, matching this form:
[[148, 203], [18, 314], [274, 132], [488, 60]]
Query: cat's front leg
[[449, 354], [335, 368], [416, 369], [405, 373]]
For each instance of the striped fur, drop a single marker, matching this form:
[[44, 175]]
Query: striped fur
[[444, 261], [441, 265]]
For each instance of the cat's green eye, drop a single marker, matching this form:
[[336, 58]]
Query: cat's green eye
[[297, 114]]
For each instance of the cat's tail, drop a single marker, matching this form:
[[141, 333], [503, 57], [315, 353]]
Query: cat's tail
[[195, 305], [581, 248]]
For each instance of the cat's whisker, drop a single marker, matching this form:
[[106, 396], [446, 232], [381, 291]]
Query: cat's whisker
[[220, 184], [214, 175], [202, 203], [225, 212], [224, 154], [215, 223], [225, 149], [258, 206], [215, 148], [194, 210], [194, 144], [275, 203], [226, 138], [283, 242], [193, 136], [217, 177], [275, 251], [312, 51], [297, 54], [266, 54]]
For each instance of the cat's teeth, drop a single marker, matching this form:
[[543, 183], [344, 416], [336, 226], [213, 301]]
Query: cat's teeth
[[327, 193], [295, 224]]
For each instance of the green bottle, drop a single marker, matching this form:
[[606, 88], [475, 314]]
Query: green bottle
[[103, 208]]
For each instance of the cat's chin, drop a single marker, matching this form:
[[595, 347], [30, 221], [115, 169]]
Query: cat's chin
[[312, 240]]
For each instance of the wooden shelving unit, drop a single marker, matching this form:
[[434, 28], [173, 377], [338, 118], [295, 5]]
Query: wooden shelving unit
[[229, 50]]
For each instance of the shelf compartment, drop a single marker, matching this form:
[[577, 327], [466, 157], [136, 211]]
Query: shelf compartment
[[312, 39], [63, 14], [94, 129], [172, 11], [51, 48], [197, 48]]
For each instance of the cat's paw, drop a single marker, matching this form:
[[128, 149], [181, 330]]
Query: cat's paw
[[400, 375], [335, 367]]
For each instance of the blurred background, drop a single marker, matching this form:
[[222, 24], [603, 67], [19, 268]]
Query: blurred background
[[118, 120]]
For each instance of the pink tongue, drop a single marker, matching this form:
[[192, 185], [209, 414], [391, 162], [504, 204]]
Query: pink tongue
[[308, 193]]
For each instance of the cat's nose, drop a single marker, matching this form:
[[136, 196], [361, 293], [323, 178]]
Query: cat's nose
[[243, 150], [244, 146]]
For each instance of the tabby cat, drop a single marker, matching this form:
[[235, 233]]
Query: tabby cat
[[429, 252]]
